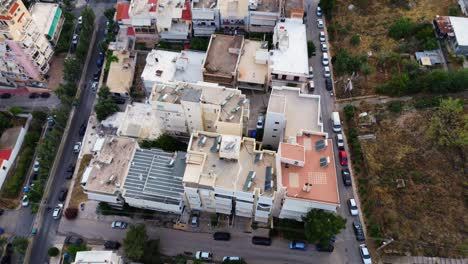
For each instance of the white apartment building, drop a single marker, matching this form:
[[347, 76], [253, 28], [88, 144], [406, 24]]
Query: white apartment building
[[263, 15], [205, 17], [107, 257], [25, 51], [234, 15], [289, 63], [174, 20], [289, 114], [49, 19], [227, 174]]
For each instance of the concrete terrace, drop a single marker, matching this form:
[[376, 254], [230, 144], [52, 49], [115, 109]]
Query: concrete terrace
[[268, 6], [249, 70], [223, 54], [204, 4]]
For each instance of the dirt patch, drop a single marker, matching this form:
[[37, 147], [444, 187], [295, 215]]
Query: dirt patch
[[78, 196], [56, 71]]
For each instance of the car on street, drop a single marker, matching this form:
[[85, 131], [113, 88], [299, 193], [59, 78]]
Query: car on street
[[63, 194], [323, 47], [119, 225], [326, 72], [100, 60], [194, 221], [260, 120], [263, 241], [297, 245], [225, 259], [328, 84], [80, 20], [77, 147], [74, 240], [45, 95], [94, 86], [25, 201], [322, 36], [311, 73], [365, 255], [346, 175], [204, 255], [97, 75], [353, 209], [75, 39], [318, 11], [325, 60], [311, 86], [82, 130], [57, 211], [358, 231], [319, 23], [224, 236], [34, 95], [5, 95], [339, 141], [36, 166], [343, 158], [109, 244]]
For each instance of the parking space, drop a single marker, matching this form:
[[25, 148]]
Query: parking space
[[258, 106]]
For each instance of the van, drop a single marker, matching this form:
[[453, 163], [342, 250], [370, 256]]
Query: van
[[336, 123], [261, 241], [311, 73], [311, 86], [325, 61]]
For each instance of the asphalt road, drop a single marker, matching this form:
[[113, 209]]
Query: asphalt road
[[49, 226]]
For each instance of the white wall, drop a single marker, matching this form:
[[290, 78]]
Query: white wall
[[102, 197], [270, 136], [145, 204], [296, 208]]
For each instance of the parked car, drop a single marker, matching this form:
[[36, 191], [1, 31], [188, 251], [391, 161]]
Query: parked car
[[204, 255], [5, 95], [77, 147], [326, 72], [73, 240], [75, 39], [25, 201], [343, 158], [365, 255], [346, 175], [322, 36], [109, 244], [100, 60], [319, 23], [45, 95], [57, 211], [311, 73], [63, 195], [358, 231], [353, 209], [328, 84], [80, 20], [2, 211], [119, 225], [339, 141], [97, 75], [260, 120], [225, 236], [297, 245], [82, 130], [232, 259], [34, 95], [323, 47], [36, 166], [263, 241], [318, 11], [194, 221], [328, 248], [311, 86]]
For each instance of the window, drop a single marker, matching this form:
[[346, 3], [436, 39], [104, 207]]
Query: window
[[283, 77], [273, 136], [274, 129], [296, 78], [276, 123]]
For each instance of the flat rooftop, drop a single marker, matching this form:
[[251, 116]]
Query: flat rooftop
[[237, 9], [9, 137], [460, 29], [205, 4], [291, 5], [96, 256], [168, 66], [268, 6], [291, 57], [120, 77], [207, 93], [223, 54], [205, 165], [151, 176], [143, 8], [324, 187], [291, 101], [139, 121], [110, 164], [249, 70], [44, 15]]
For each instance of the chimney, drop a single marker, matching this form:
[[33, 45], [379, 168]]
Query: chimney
[[304, 188]]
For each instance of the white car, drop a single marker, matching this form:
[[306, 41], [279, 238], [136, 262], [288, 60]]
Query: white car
[[119, 225], [319, 23], [319, 11], [204, 255], [25, 201], [77, 147], [75, 39], [94, 86], [57, 211], [323, 47], [260, 121], [353, 210], [80, 20], [322, 36], [365, 255], [340, 141], [36, 166], [326, 72]]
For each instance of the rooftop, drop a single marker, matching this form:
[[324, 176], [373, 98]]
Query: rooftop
[[233, 9], [432, 56], [143, 9], [292, 152], [168, 66], [290, 57], [229, 162], [460, 29], [110, 164], [231, 100], [290, 101], [169, 10], [253, 66], [153, 176], [291, 5], [9, 137], [205, 4], [267, 6], [120, 77], [122, 11], [139, 121], [98, 257], [45, 16], [322, 181], [223, 54]]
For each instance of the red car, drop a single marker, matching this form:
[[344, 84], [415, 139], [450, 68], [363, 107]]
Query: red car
[[343, 158]]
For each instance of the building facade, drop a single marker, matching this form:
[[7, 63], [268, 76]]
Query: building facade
[[205, 17], [263, 15]]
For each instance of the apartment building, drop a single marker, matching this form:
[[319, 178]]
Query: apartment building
[[252, 73], [49, 19], [168, 66], [205, 17], [222, 59], [120, 76], [288, 64], [263, 15], [173, 20], [455, 30], [25, 51], [138, 16], [97, 256], [227, 174], [234, 16], [307, 175], [290, 113]]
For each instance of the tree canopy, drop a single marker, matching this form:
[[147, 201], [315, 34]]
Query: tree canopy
[[320, 226], [106, 106], [135, 242]]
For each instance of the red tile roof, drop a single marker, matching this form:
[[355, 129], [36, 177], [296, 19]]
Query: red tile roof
[[13, 8], [122, 11], [5, 154], [154, 4], [130, 31], [187, 13]]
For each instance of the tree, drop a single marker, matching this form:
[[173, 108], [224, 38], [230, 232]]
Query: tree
[[20, 244], [355, 40], [151, 252], [320, 226], [73, 249], [449, 125], [135, 241], [109, 59], [15, 110], [328, 6], [71, 213], [53, 252], [109, 13], [310, 48], [401, 28], [5, 123], [165, 142], [71, 70], [106, 105]]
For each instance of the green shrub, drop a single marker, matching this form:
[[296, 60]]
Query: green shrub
[[426, 102], [311, 48], [53, 252], [355, 40], [199, 43], [166, 143], [349, 111], [395, 106], [401, 28]]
